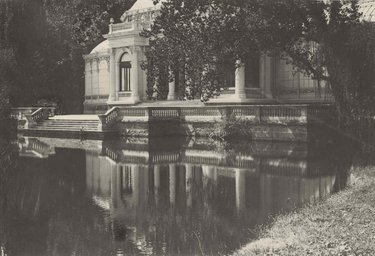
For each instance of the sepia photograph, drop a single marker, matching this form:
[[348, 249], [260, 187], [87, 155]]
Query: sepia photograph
[[187, 127]]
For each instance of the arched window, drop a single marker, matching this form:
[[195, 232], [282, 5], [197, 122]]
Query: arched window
[[125, 67]]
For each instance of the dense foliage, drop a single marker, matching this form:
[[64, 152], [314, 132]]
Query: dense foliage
[[184, 46], [327, 40], [230, 128], [44, 41]]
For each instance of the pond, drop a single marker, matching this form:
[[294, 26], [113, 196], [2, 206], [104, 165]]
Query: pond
[[164, 196]]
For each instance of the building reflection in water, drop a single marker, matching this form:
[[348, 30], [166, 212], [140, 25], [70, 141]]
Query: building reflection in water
[[196, 199], [161, 196]]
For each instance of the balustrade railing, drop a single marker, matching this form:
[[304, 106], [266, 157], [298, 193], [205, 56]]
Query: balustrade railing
[[19, 113], [200, 112], [255, 113], [134, 112], [108, 119], [280, 114], [164, 113], [120, 26], [38, 115]]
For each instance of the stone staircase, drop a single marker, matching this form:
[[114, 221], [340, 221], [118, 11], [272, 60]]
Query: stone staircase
[[69, 126], [73, 124]]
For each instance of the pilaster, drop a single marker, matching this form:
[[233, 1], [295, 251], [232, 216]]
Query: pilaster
[[135, 74], [112, 75]]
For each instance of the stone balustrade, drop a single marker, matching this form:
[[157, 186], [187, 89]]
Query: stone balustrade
[[38, 115], [120, 27], [263, 122], [107, 120], [20, 113], [254, 113]]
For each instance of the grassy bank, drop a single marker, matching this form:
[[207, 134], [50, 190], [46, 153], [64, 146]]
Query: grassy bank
[[344, 224]]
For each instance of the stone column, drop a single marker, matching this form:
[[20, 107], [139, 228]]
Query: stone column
[[91, 78], [266, 75], [98, 76], [112, 76], [87, 77], [240, 177], [240, 80], [135, 75], [172, 90], [172, 183], [94, 77]]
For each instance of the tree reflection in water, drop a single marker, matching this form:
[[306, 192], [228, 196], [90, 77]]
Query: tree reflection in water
[[156, 197]]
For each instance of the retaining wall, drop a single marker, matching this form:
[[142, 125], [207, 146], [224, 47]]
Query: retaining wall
[[264, 122]]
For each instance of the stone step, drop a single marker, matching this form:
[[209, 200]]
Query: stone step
[[73, 124], [61, 129], [69, 126], [70, 122]]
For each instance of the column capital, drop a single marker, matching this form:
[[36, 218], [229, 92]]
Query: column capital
[[240, 63]]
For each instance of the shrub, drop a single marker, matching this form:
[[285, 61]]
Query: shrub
[[231, 127]]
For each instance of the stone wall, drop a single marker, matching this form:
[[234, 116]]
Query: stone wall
[[299, 123]]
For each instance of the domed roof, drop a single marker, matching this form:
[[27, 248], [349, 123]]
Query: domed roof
[[102, 47], [142, 4]]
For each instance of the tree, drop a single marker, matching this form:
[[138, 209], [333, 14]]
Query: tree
[[186, 46], [327, 41], [74, 28], [47, 39]]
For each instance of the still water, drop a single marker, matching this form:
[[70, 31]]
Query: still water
[[155, 197]]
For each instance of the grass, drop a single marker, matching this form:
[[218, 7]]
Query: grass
[[344, 224]]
